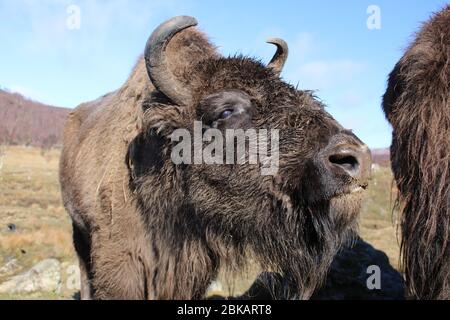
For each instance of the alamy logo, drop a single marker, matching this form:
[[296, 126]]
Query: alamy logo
[[239, 146], [373, 21], [73, 21], [374, 280]]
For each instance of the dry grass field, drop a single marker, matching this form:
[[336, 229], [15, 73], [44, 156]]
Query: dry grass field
[[30, 199]]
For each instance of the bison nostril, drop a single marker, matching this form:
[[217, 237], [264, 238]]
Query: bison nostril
[[346, 161]]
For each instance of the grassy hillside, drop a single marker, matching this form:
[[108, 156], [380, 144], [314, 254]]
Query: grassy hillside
[[30, 199], [378, 224]]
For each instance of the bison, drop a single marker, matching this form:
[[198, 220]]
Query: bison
[[416, 103], [147, 228]]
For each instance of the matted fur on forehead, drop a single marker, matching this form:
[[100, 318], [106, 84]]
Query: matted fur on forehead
[[269, 93], [242, 73]]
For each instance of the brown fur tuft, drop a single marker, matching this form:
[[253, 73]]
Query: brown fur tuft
[[417, 105]]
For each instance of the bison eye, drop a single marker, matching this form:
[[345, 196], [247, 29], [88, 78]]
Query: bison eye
[[226, 114]]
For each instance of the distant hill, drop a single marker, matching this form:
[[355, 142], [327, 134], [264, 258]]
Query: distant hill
[[381, 156], [27, 122]]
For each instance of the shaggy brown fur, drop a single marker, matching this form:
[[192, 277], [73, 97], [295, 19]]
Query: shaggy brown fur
[[417, 105], [145, 228]]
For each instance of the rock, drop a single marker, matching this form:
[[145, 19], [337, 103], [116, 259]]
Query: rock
[[347, 279], [214, 288], [44, 276], [70, 272], [11, 227], [350, 271], [10, 267]]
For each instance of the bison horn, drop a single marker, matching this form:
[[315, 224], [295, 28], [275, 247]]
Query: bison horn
[[280, 56], [156, 60]]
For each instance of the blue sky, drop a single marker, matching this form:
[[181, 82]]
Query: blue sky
[[331, 48]]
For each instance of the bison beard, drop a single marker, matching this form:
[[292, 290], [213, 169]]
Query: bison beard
[[145, 228], [299, 245], [417, 105]]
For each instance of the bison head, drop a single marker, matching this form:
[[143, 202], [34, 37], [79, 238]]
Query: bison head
[[292, 221]]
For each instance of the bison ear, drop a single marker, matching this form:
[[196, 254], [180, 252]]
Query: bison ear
[[145, 154], [171, 51], [150, 148]]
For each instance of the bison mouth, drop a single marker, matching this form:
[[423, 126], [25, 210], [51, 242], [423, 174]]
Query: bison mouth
[[347, 205], [355, 188], [358, 188], [339, 209]]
